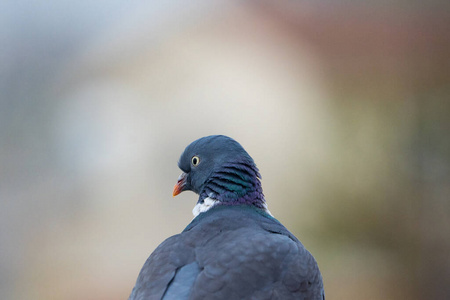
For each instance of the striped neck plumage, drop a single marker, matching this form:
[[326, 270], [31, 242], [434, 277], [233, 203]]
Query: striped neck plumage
[[233, 184]]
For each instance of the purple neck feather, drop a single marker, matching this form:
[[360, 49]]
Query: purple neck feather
[[235, 183]]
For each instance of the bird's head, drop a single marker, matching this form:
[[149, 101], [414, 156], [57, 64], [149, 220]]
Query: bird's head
[[219, 168]]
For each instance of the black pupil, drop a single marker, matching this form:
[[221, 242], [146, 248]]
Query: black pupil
[[194, 160]]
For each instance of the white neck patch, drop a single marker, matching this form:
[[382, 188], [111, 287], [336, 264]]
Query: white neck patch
[[208, 203], [205, 206], [266, 209]]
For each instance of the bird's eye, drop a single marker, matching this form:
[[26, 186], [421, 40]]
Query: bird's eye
[[195, 160]]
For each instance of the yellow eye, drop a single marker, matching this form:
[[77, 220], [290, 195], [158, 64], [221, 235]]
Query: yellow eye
[[195, 160]]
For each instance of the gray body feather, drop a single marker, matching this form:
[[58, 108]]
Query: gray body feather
[[230, 252]]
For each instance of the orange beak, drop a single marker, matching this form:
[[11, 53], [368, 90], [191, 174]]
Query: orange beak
[[181, 183]]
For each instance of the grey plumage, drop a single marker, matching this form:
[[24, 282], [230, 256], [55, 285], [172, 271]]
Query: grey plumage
[[232, 251]]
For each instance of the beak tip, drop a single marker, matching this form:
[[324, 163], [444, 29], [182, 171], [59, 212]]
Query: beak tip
[[180, 185]]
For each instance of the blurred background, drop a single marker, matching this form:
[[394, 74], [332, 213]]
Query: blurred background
[[344, 105]]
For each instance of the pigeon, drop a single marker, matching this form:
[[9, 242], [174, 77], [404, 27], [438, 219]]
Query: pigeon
[[233, 248]]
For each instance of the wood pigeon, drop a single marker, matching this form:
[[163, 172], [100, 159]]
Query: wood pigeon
[[233, 248]]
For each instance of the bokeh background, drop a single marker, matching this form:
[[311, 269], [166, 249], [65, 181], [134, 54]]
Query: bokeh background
[[344, 105]]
